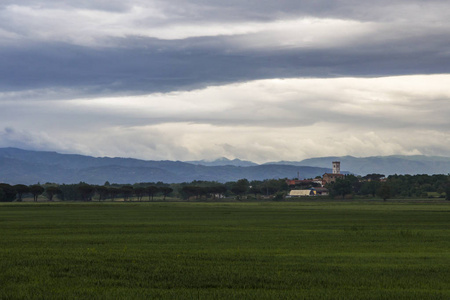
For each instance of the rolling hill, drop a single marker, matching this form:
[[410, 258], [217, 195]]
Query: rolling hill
[[29, 167], [387, 165]]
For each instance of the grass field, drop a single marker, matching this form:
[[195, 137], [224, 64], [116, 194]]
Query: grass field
[[304, 250]]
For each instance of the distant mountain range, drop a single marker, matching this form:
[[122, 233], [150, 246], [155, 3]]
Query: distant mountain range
[[387, 165], [29, 167], [223, 161]]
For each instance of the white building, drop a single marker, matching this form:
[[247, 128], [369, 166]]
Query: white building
[[302, 193]]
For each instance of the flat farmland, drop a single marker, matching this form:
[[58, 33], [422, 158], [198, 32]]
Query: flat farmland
[[267, 250]]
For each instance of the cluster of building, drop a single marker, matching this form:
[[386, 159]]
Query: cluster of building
[[315, 187]]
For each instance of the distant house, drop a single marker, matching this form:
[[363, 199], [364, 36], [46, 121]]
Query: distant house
[[331, 177], [321, 191], [305, 182], [302, 193], [318, 191], [298, 182]]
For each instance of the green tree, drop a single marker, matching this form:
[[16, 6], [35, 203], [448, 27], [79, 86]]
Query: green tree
[[7, 193], [102, 191], [217, 189], [127, 191], [36, 190], [113, 192], [355, 183], [139, 192], [70, 192], [152, 190], [165, 190], [340, 187], [255, 190], [373, 177], [86, 191], [370, 188], [21, 189], [279, 196], [447, 192], [240, 187], [384, 191], [273, 186], [51, 191], [189, 191]]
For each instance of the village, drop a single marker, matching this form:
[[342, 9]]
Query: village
[[316, 186]]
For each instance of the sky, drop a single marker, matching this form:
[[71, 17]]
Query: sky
[[255, 80]]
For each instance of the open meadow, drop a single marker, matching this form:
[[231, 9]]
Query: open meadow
[[265, 250]]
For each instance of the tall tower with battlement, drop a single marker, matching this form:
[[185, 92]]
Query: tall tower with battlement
[[336, 167]]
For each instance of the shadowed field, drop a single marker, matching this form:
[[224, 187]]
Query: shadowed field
[[225, 250]]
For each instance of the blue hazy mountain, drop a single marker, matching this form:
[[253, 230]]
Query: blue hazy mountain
[[387, 165], [29, 167], [223, 161]]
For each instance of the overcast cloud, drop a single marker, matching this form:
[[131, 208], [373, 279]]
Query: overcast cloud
[[257, 80]]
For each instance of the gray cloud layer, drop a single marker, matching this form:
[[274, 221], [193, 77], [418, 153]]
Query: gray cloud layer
[[164, 79], [404, 37]]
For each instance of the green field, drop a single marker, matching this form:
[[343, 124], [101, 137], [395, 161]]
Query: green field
[[303, 250]]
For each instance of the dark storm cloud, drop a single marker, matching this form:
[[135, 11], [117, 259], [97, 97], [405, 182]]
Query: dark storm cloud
[[162, 66], [45, 48]]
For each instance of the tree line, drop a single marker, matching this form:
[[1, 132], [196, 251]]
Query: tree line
[[394, 186], [371, 185], [141, 191]]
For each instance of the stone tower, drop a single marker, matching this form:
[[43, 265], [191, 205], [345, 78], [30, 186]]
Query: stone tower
[[336, 167]]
